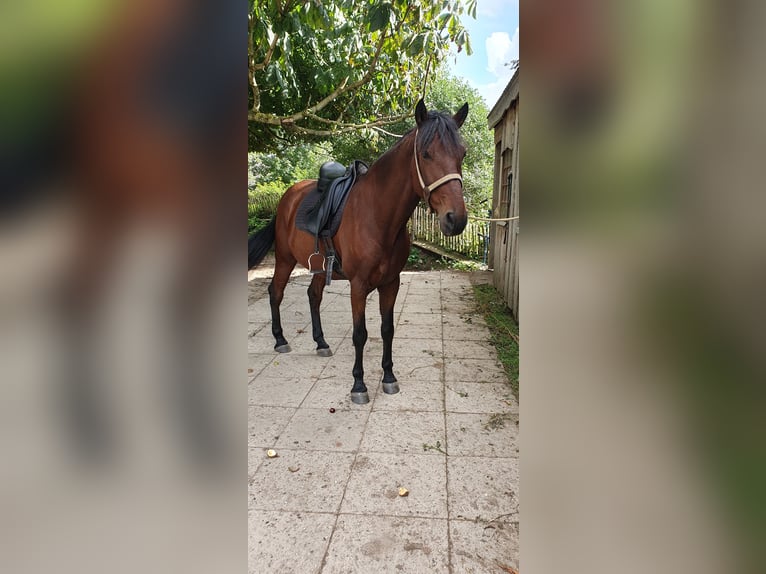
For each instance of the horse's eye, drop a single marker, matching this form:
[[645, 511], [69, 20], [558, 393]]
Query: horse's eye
[[426, 155]]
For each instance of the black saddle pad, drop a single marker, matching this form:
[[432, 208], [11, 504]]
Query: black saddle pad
[[320, 213]]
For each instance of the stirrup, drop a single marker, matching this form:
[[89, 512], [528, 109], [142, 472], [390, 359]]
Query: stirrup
[[308, 264]]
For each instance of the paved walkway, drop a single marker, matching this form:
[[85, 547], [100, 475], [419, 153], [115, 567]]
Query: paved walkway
[[329, 501]]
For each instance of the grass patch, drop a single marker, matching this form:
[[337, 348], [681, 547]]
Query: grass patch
[[504, 331], [424, 260]]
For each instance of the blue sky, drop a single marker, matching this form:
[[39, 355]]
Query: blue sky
[[495, 41]]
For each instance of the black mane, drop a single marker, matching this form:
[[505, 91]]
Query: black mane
[[443, 125], [438, 123]]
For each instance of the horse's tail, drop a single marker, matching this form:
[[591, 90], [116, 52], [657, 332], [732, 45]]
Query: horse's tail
[[259, 243]]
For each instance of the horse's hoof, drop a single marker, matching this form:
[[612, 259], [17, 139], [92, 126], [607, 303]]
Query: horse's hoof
[[391, 388], [283, 348], [326, 352], [360, 398]]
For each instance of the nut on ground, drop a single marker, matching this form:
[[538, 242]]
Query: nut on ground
[[403, 491], [271, 453]]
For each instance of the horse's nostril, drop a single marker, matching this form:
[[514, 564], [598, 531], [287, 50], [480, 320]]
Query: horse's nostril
[[450, 217]]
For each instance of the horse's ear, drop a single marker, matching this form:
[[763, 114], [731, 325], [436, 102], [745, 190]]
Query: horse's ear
[[421, 113], [461, 115]]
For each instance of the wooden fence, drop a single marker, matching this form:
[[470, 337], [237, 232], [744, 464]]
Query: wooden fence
[[423, 226], [472, 243]]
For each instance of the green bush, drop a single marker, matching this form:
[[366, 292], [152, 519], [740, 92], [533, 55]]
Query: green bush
[[270, 188], [290, 164], [256, 223], [262, 202]]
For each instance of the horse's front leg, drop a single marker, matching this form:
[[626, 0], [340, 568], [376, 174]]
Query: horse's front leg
[[315, 300], [388, 295], [358, 303]]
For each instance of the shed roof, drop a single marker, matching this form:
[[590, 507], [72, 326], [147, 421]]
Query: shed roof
[[510, 93]]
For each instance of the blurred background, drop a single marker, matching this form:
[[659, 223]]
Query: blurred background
[[642, 274], [123, 213], [123, 160]]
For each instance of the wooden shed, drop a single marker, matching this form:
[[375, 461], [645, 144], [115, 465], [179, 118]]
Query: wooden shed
[[503, 256]]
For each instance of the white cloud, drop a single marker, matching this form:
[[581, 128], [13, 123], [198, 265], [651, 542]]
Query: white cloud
[[501, 49]]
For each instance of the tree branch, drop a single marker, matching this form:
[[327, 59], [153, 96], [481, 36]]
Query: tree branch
[[341, 89], [251, 64], [379, 121], [290, 121], [269, 53], [425, 78], [261, 118], [345, 127], [381, 130], [344, 86]]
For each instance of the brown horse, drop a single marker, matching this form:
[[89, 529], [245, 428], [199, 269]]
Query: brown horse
[[372, 240]]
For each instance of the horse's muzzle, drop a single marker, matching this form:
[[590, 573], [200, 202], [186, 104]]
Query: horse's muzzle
[[452, 224]]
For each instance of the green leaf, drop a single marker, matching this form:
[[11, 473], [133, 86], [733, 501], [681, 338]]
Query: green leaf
[[321, 42], [379, 16], [280, 78], [416, 46], [452, 26], [429, 39], [472, 9]]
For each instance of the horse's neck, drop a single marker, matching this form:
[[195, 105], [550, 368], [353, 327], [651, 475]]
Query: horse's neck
[[389, 196]]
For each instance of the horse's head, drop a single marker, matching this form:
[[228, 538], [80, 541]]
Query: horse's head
[[439, 153]]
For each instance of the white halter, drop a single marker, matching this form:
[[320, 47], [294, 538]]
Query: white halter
[[427, 189]]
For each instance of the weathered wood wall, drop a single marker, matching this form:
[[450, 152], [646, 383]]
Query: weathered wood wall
[[504, 235]]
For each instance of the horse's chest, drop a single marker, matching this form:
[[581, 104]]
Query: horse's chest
[[391, 263], [377, 261]]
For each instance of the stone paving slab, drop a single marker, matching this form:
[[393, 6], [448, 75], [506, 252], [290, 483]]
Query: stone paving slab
[[301, 480], [376, 478], [282, 541], [483, 546], [362, 544], [329, 502], [484, 488], [402, 432]]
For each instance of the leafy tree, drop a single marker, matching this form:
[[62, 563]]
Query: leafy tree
[[319, 67], [287, 165], [445, 93]]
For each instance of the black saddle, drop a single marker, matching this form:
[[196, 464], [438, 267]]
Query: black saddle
[[321, 210], [329, 171]]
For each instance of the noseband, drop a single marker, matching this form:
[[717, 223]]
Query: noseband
[[427, 189]]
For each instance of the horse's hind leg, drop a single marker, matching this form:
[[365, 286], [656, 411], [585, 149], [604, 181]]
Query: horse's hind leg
[[282, 270], [388, 294], [315, 291]]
